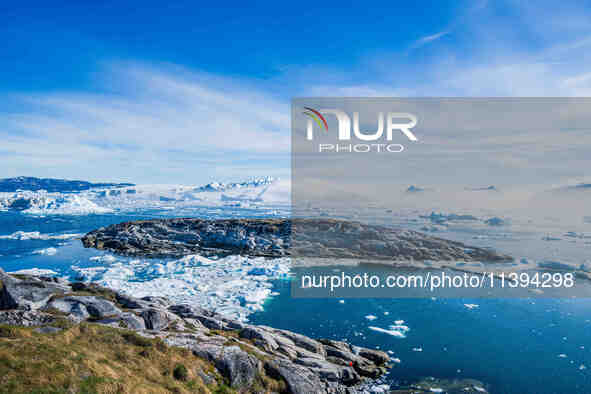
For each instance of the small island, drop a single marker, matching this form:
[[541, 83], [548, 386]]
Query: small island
[[322, 238]]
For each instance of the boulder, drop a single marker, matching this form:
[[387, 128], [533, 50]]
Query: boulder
[[299, 379], [85, 306], [155, 319], [261, 338], [75, 310], [29, 293], [130, 302], [304, 342], [376, 356], [190, 311], [211, 323], [126, 320], [238, 366]]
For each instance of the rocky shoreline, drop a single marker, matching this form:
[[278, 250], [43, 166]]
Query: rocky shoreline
[[236, 356], [240, 353], [314, 238]]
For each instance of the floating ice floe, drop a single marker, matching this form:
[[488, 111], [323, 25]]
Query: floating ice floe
[[35, 272], [25, 236], [371, 317], [382, 388], [400, 327], [225, 285], [107, 258], [46, 251], [562, 355], [394, 333], [417, 349], [471, 306]]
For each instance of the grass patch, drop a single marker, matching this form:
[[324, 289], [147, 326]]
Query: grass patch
[[91, 358]]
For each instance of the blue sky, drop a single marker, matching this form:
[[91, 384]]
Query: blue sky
[[192, 92]]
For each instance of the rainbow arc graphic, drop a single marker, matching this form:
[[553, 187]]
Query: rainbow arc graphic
[[317, 116]]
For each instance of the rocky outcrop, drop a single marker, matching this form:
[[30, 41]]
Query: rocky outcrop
[[322, 238], [242, 353]]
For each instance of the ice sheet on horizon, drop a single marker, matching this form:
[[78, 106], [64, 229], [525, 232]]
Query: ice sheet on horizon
[[257, 193]]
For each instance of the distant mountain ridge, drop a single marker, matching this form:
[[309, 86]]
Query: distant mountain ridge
[[8, 185]]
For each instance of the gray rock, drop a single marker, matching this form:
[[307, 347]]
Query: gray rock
[[23, 318], [47, 330], [375, 356], [190, 311], [156, 302], [126, 320], [336, 344], [238, 366], [155, 319], [133, 322], [325, 369], [344, 355], [76, 310], [299, 379], [30, 293], [211, 323], [262, 339], [82, 306], [304, 342], [130, 302]]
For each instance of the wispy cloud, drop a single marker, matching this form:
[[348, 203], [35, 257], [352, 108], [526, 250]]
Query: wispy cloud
[[149, 113], [427, 39]]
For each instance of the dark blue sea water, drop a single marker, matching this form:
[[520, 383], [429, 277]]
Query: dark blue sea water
[[513, 345]]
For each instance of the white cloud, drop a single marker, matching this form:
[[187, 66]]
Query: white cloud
[[154, 125]]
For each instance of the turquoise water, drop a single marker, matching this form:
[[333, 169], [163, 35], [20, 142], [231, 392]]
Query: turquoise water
[[513, 345]]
